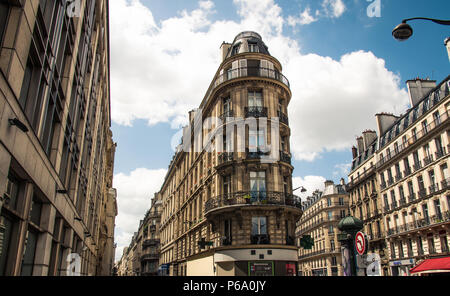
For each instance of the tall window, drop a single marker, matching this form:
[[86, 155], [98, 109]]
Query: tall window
[[255, 99], [259, 225], [29, 254], [258, 185], [227, 184], [256, 140], [228, 232]]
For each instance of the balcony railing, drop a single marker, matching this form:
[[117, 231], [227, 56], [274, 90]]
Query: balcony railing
[[417, 166], [225, 157], [433, 188], [150, 242], [407, 171], [251, 72], [256, 154], [427, 221], [445, 184], [427, 160], [283, 117], [284, 157], [414, 139], [253, 198], [255, 111], [260, 239], [151, 256]]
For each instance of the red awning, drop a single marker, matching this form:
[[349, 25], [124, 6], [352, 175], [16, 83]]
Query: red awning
[[436, 264]]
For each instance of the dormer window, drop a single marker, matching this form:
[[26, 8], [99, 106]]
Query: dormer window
[[235, 49], [253, 47]]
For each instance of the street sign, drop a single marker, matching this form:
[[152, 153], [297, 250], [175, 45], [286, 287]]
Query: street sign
[[360, 243]]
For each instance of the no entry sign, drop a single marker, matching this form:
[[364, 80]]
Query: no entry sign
[[360, 243]]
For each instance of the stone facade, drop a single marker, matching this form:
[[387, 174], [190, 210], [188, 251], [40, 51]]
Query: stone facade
[[56, 148], [408, 164], [224, 198], [322, 213]]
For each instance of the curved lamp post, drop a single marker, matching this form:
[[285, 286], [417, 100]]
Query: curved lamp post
[[403, 31]]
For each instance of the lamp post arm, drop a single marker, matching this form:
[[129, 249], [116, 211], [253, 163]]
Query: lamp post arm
[[441, 22]]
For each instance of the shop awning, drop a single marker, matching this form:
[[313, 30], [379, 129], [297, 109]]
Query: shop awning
[[432, 265]]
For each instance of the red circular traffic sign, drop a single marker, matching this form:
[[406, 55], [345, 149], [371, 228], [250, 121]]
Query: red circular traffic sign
[[360, 243]]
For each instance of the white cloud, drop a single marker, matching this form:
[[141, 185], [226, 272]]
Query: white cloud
[[333, 8], [341, 170], [134, 194], [161, 71], [311, 183], [305, 18]]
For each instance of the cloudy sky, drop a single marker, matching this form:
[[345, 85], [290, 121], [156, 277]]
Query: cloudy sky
[[339, 56]]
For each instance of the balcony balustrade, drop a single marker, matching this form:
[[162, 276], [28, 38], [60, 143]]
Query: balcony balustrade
[[251, 72], [285, 157], [283, 117], [260, 239], [255, 111], [253, 198]]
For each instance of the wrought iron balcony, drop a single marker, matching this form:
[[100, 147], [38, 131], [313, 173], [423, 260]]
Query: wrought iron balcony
[[253, 198], [427, 160], [150, 242], [433, 188], [251, 72], [260, 239], [417, 166], [225, 157], [283, 117], [441, 152], [284, 157], [398, 177], [445, 184], [150, 256], [255, 111], [256, 154], [407, 171]]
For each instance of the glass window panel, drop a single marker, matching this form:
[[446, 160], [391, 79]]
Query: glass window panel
[[28, 256]]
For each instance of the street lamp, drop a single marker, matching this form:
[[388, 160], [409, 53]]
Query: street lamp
[[403, 31], [303, 189]]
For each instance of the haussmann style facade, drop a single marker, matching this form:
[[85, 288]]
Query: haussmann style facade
[[322, 213], [399, 183], [56, 149], [228, 207]]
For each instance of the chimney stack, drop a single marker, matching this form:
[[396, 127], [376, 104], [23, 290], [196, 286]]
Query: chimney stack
[[360, 143], [354, 152], [418, 88], [368, 137], [224, 50], [384, 122]]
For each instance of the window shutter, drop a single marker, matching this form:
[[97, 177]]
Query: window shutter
[[263, 69], [234, 72], [271, 69], [243, 68]]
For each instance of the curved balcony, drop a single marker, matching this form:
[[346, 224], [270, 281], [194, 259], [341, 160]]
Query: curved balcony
[[255, 111], [252, 199], [251, 72], [150, 242], [150, 256]]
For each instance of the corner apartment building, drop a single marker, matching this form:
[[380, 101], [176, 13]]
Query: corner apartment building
[[56, 147], [228, 207], [365, 201], [321, 215], [409, 181]]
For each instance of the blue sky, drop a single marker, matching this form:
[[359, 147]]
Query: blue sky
[[343, 65]]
